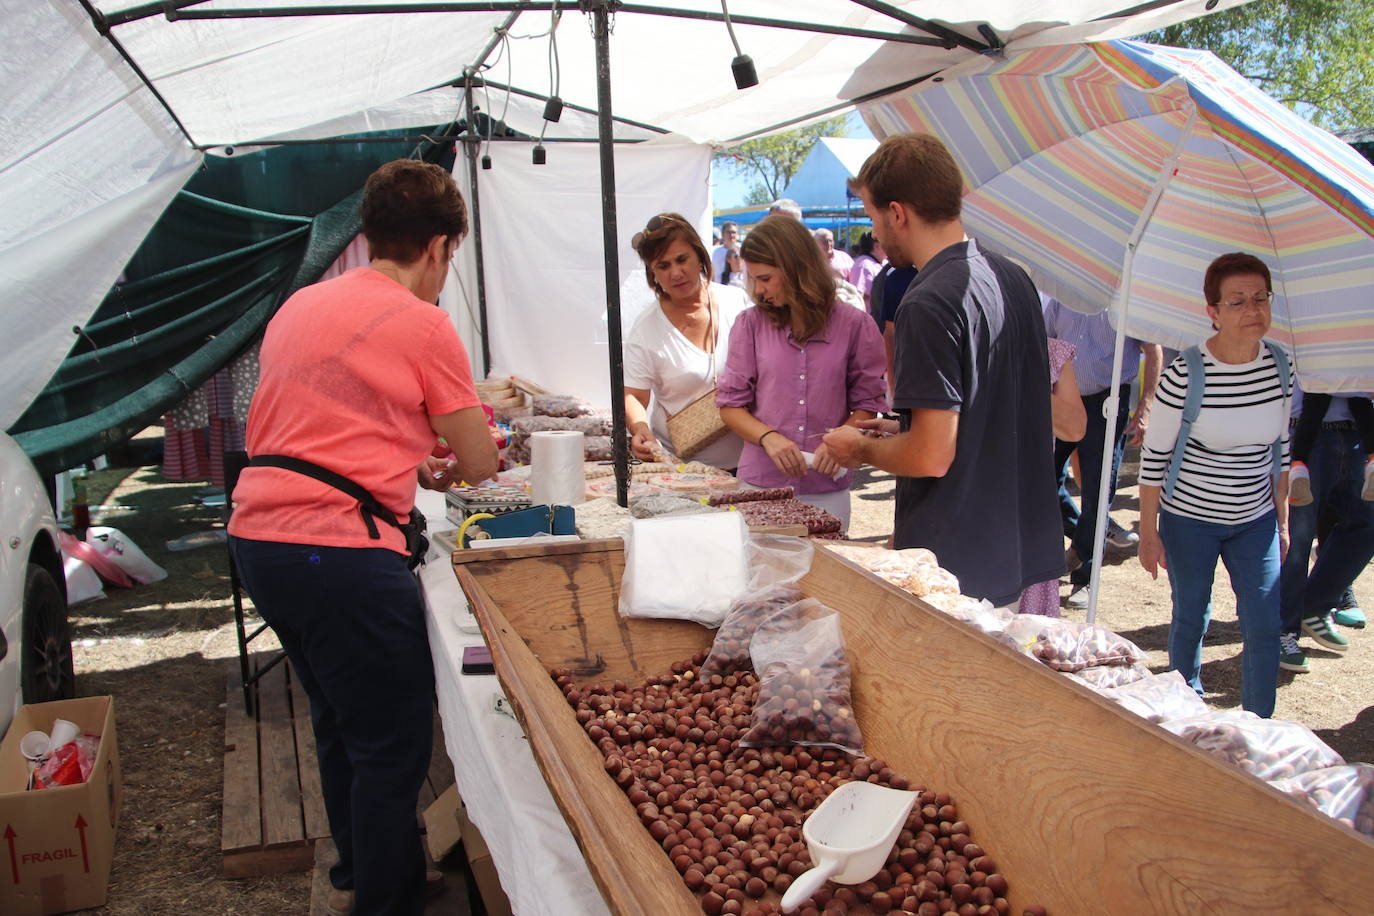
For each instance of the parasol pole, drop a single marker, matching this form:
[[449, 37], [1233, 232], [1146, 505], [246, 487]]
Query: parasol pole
[[601, 30], [1123, 304]]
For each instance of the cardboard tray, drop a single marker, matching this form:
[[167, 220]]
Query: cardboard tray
[[1086, 808]]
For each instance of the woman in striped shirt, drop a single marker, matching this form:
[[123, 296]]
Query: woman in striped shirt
[[1229, 498]]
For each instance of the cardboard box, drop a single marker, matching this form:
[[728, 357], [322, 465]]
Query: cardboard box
[[444, 823], [447, 824], [58, 843], [483, 870]]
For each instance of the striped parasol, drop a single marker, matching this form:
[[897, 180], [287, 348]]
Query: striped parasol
[[1117, 171]]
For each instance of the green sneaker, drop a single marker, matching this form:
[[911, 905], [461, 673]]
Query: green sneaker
[[1291, 657], [1324, 633], [1351, 617]]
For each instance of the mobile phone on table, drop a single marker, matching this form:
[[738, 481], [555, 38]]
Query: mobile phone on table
[[477, 660]]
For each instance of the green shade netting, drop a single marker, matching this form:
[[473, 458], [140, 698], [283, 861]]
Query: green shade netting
[[244, 234]]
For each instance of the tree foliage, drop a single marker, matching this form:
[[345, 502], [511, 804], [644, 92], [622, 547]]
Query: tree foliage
[[775, 159], [1313, 55]]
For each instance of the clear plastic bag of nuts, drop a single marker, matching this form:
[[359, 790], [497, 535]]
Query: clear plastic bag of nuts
[[804, 698], [1345, 793], [1108, 677], [1066, 645], [1268, 748], [730, 650], [1159, 698]]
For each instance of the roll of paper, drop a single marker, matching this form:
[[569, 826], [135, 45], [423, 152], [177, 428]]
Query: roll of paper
[[557, 475]]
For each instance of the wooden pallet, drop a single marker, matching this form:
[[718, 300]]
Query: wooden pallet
[[273, 808]]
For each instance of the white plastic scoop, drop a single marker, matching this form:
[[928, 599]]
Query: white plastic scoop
[[849, 837]]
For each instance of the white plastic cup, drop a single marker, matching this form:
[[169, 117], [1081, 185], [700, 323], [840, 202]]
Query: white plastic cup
[[34, 746], [63, 732]]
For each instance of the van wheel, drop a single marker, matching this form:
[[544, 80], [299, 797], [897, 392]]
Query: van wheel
[[46, 671]]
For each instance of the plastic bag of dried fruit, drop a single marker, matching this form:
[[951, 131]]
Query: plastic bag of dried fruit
[[1107, 677], [1268, 748], [1345, 793], [804, 699], [560, 405], [1066, 645], [1159, 698]]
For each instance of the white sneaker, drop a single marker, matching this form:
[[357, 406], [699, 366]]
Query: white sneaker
[[1300, 485], [1368, 491]]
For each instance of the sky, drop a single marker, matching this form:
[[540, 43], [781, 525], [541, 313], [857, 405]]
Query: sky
[[729, 189]]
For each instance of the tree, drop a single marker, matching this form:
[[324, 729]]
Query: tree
[[776, 158], [1312, 55]]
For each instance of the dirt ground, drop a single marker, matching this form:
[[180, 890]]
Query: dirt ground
[[161, 651]]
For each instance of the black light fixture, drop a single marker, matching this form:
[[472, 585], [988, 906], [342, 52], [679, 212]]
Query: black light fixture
[[553, 109], [743, 65], [486, 160], [538, 157], [745, 74]]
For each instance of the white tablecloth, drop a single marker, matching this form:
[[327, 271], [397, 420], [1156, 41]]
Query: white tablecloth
[[541, 868]]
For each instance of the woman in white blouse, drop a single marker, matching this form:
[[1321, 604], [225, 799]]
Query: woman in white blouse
[[674, 353], [1226, 493]]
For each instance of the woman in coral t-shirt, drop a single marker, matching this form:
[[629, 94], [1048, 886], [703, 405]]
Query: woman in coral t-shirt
[[360, 376]]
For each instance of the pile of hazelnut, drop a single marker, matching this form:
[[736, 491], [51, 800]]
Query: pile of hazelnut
[[729, 817]]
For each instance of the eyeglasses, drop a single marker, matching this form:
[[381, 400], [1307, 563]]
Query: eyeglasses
[[664, 221], [1258, 300]]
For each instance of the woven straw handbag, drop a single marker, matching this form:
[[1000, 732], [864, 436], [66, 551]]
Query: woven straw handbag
[[698, 425]]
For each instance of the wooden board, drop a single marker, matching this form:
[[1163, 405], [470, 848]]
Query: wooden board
[[282, 821], [1087, 808], [241, 819], [273, 811]]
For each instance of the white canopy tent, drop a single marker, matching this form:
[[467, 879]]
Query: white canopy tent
[[110, 106]]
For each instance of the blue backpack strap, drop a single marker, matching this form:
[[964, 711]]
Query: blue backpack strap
[[1192, 406], [1285, 380]]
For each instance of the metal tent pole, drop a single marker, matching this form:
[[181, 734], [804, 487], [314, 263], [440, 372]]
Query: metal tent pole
[[1113, 403], [471, 141], [601, 31]]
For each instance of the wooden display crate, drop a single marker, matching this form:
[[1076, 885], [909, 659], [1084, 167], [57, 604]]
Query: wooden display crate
[[1087, 808]]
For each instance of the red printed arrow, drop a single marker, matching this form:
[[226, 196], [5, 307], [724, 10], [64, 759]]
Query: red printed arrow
[[81, 829], [14, 860]]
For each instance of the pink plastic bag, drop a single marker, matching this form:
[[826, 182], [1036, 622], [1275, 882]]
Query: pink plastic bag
[[69, 765], [96, 560]]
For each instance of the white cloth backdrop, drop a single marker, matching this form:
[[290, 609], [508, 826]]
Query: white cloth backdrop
[[545, 277]]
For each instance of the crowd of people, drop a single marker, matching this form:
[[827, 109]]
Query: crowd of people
[[989, 388], [926, 355]]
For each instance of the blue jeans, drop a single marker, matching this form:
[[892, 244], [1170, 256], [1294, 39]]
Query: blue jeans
[[1336, 464], [1251, 554], [353, 626], [1080, 525]]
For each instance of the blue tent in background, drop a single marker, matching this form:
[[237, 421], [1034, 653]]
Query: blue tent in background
[[821, 188]]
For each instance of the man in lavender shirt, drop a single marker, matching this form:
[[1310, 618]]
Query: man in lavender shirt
[[972, 449]]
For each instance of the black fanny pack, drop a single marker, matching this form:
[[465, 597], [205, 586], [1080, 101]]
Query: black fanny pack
[[417, 545]]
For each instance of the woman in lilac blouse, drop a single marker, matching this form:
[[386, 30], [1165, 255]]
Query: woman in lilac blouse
[[800, 363]]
